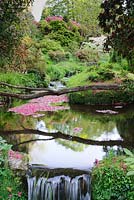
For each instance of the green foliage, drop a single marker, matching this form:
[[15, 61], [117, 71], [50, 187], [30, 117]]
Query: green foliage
[[10, 23], [10, 184], [32, 79], [116, 19], [57, 55], [87, 55], [85, 12], [101, 98], [61, 33], [63, 69], [27, 56], [110, 180], [129, 162], [48, 44], [104, 72], [65, 37]]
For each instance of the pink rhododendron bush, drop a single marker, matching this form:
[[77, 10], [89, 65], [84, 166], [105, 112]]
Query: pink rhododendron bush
[[45, 103], [17, 160]]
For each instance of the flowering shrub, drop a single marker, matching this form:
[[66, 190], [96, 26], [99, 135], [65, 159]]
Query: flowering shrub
[[59, 30], [109, 180], [10, 184], [15, 154], [54, 18]]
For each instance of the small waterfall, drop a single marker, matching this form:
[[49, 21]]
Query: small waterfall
[[59, 188]]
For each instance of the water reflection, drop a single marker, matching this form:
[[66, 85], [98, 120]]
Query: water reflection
[[82, 121], [55, 155]]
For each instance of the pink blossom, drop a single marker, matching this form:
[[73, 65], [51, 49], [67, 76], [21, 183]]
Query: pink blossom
[[77, 129], [75, 23], [19, 194], [15, 155], [54, 18], [96, 162]]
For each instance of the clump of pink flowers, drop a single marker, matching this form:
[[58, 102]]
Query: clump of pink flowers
[[75, 23], [15, 155], [54, 18], [77, 130], [41, 104]]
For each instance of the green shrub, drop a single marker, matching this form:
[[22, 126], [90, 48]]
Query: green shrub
[[87, 55], [57, 55], [60, 31], [129, 162], [44, 27], [101, 98], [34, 79], [48, 44], [106, 74], [63, 69], [101, 74], [110, 182], [10, 184], [55, 73]]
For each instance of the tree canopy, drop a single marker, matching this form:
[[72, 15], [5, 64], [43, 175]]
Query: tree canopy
[[10, 29], [117, 20], [83, 11]]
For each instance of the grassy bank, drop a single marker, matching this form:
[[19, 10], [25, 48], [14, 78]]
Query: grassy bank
[[104, 73]]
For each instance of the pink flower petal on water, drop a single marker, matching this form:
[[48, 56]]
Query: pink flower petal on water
[[41, 104]]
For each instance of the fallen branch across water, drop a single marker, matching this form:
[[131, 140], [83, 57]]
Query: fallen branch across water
[[46, 91], [60, 135]]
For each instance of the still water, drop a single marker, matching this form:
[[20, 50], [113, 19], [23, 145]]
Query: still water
[[82, 121]]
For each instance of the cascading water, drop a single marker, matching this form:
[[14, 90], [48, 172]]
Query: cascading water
[[59, 188]]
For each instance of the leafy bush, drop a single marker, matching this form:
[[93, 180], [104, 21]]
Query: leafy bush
[[63, 69], [129, 162], [110, 180], [101, 98], [27, 56], [87, 55], [33, 79], [60, 31], [57, 55], [65, 37], [48, 44], [106, 74], [101, 74], [10, 185], [55, 73]]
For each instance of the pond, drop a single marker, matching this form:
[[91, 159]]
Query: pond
[[89, 122]]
